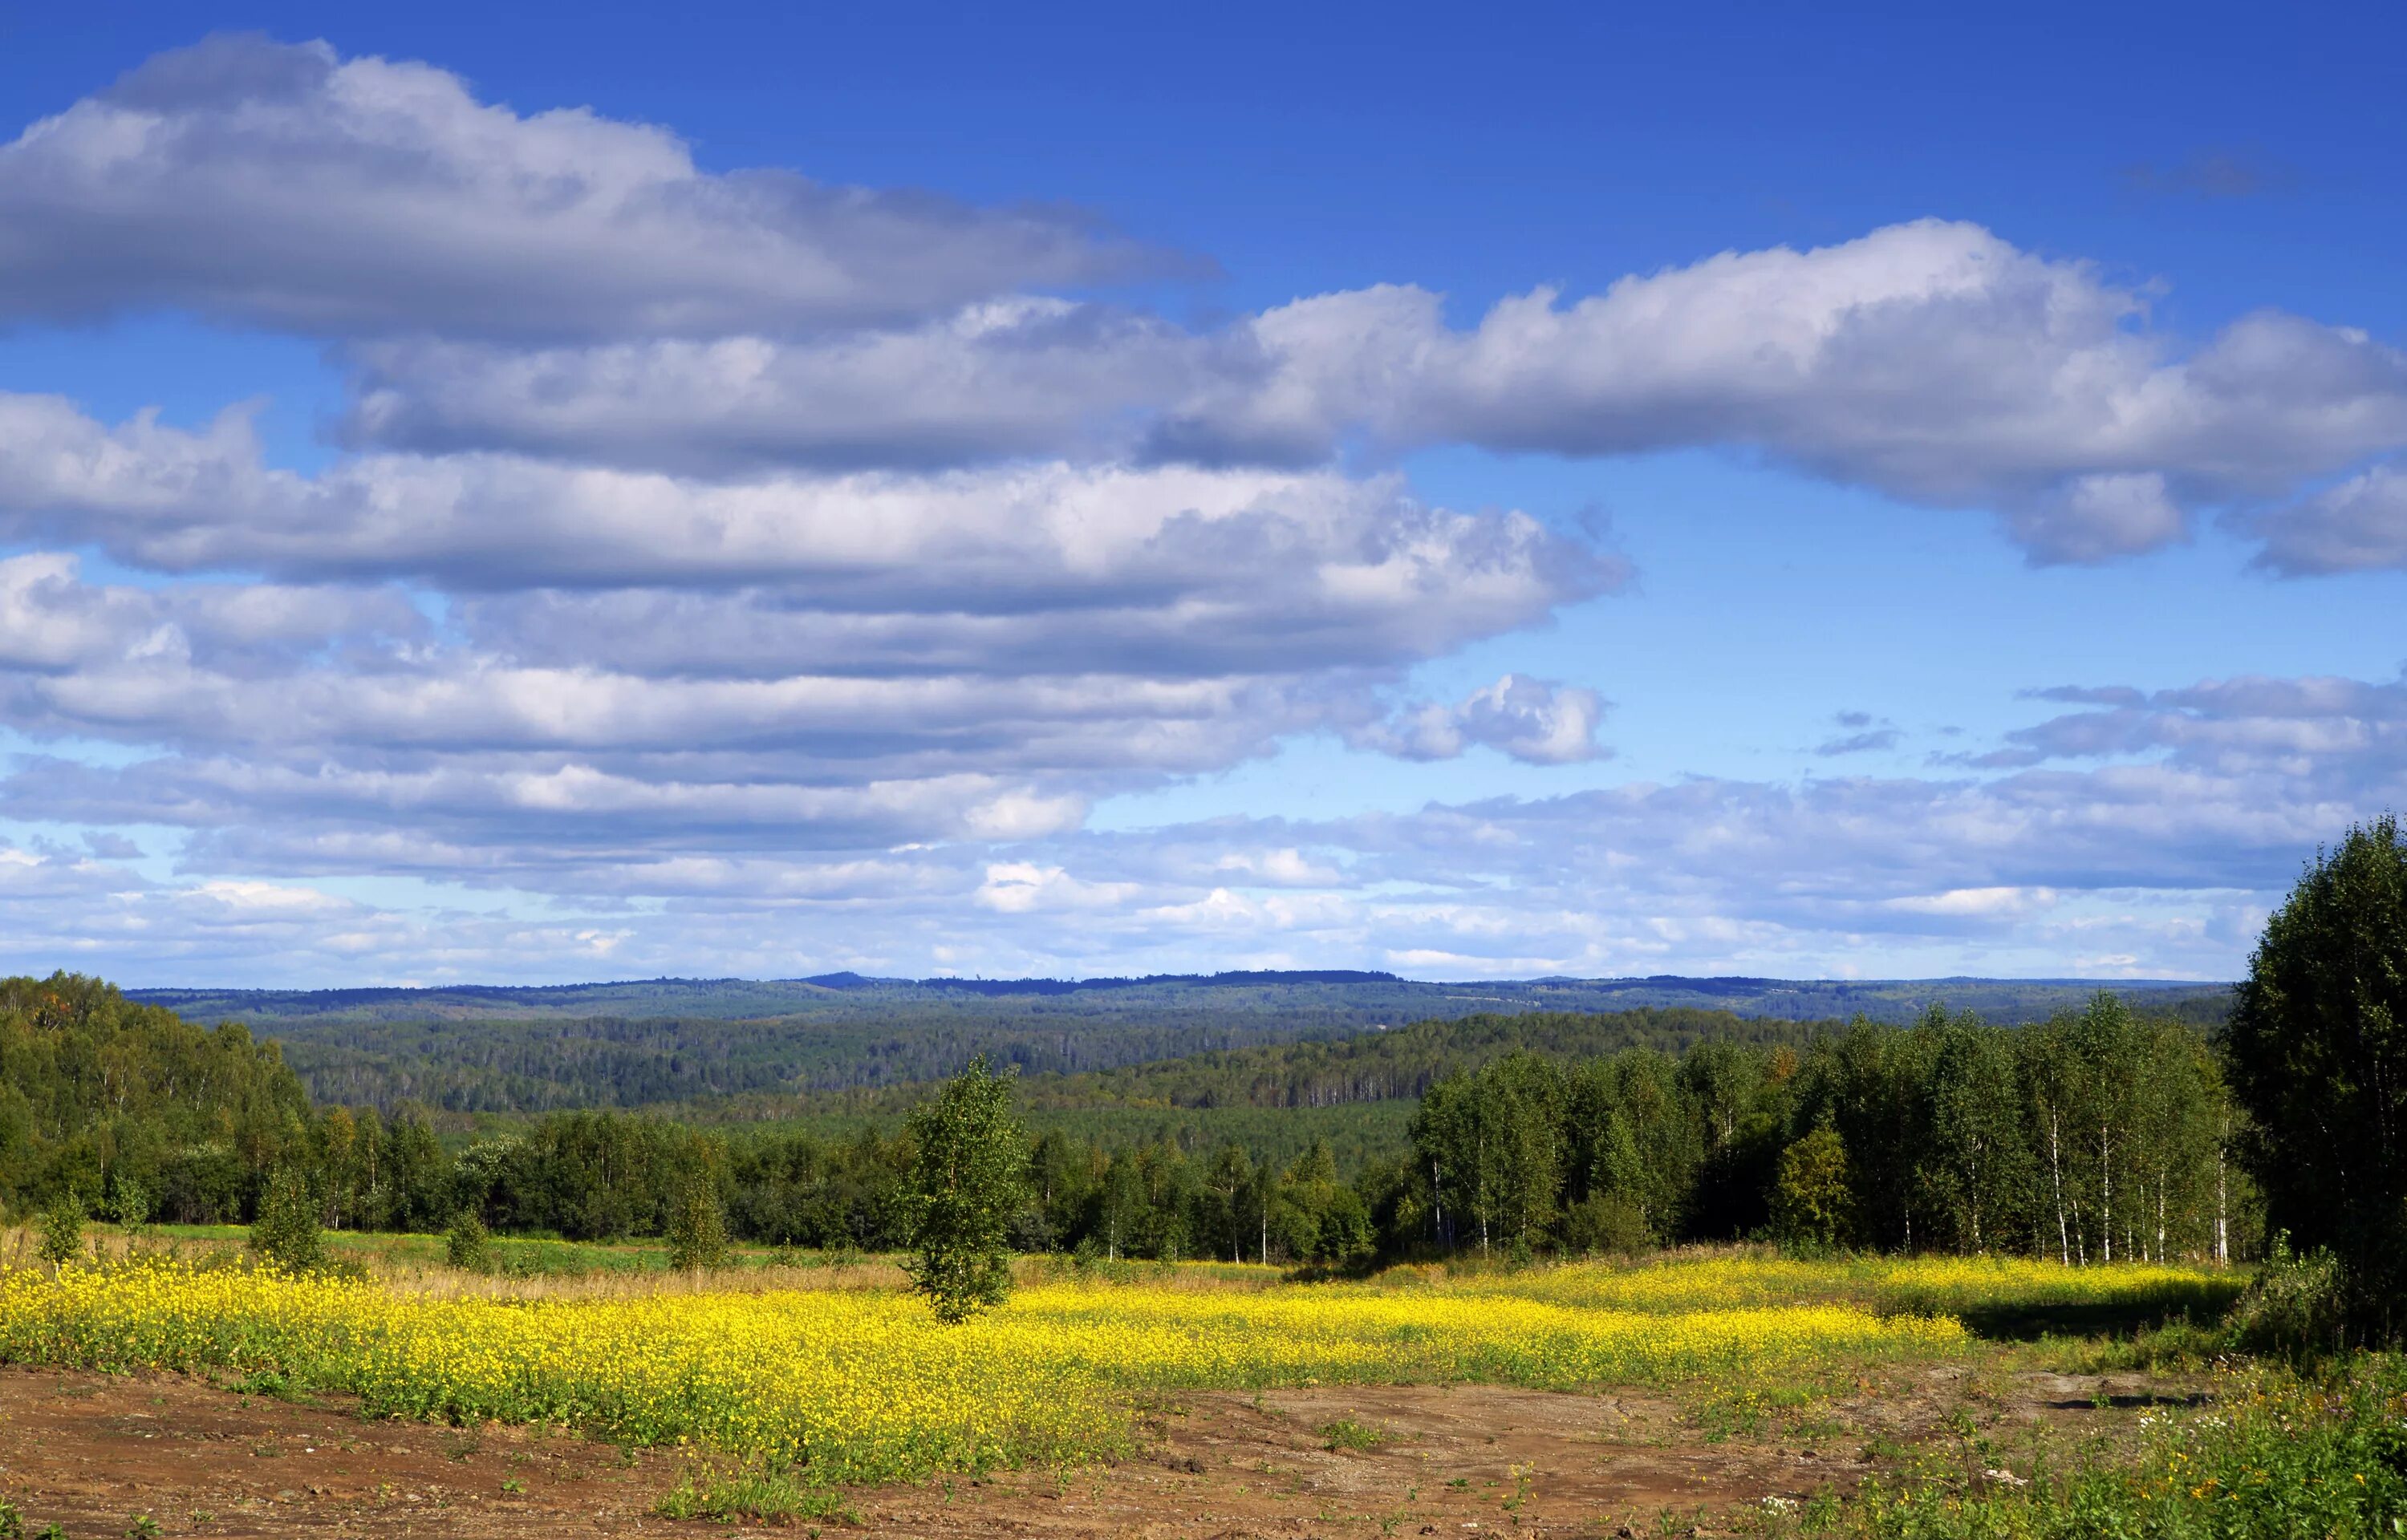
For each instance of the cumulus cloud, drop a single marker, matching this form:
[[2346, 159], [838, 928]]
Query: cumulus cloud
[[1537, 721], [2357, 524], [1931, 360], [282, 185], [564, 285], [2166, 861], [1008, 377], [791, 663], [2327, 731], [995, 540]]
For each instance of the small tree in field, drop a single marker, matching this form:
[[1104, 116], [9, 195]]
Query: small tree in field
[[967, 1180], [698, 1231], [286, 1232], [63, 1231], [468, 1245], [1810, 1197], [130, 1205]]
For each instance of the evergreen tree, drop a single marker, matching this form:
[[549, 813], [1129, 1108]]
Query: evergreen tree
[[967, 1180]]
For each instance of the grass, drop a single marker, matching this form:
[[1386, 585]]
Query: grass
[[1346, 1434], [2273, 1453], [734, 1494]]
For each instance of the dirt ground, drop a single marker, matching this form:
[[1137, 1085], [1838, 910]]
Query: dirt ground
[[93, 1451]]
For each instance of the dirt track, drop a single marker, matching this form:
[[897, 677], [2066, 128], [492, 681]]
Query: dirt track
[[91, 1451]]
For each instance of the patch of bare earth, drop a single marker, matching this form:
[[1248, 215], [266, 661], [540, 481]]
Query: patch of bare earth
[[92, 1450]]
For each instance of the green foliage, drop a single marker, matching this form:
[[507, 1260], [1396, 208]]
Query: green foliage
[[1813, 1200], [698, 1233], [62, 1240], [1346, 1434], [1494, 1141], [967, 1182], [129, 1204], [2295, 1307], [12, 1523], [1607, 1224], [96, 1090], [2100, 1133], [286, 1232], [2317, 1046], [754, 1495], [468, 1245], [2275, 1456]]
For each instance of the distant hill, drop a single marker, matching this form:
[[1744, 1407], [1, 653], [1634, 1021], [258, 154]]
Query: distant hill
[[1319, 996], [663, 1042]]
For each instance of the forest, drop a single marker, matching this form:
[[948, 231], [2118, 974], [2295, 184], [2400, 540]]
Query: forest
[[2098, 1133], [745, 1049]]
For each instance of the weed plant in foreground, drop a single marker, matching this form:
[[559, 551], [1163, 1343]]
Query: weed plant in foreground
[[2273, 1455], [857, 1386]]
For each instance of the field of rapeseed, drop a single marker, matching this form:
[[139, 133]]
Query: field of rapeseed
[[859, 1385], [1956, 1285]]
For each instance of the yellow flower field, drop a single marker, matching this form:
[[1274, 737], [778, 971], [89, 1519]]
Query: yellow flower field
[[1893, 1285], [852, 1385]]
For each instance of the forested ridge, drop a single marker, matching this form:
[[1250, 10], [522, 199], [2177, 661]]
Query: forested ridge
[[684, 1043], [2099, 1133], [1378, 1065]]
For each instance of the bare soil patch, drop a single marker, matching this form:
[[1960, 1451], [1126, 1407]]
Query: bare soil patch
[[91, 1451]]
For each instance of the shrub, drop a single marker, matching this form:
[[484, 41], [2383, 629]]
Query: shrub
[[468, 1245], [130, 1205], [1607, 1223], [286, 1232], [698, 1231], [1810, 1197], [63, 1230], [2296, 1308]]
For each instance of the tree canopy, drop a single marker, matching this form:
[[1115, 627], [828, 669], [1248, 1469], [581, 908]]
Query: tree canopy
[[2317, 1046]]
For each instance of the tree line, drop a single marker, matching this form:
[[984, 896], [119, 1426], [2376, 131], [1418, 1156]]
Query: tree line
[[2097, 1135]]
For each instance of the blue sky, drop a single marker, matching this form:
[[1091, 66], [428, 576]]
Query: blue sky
[[763, 492]]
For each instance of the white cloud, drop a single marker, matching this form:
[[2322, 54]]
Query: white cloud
[[1020, 376], [1022, 887], [280, 185], [1932, 361], [1533, 720], [2360, 524]]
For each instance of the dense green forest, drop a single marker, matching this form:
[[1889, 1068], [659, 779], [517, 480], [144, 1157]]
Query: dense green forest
[[685, 1043], [2099, 1133]]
